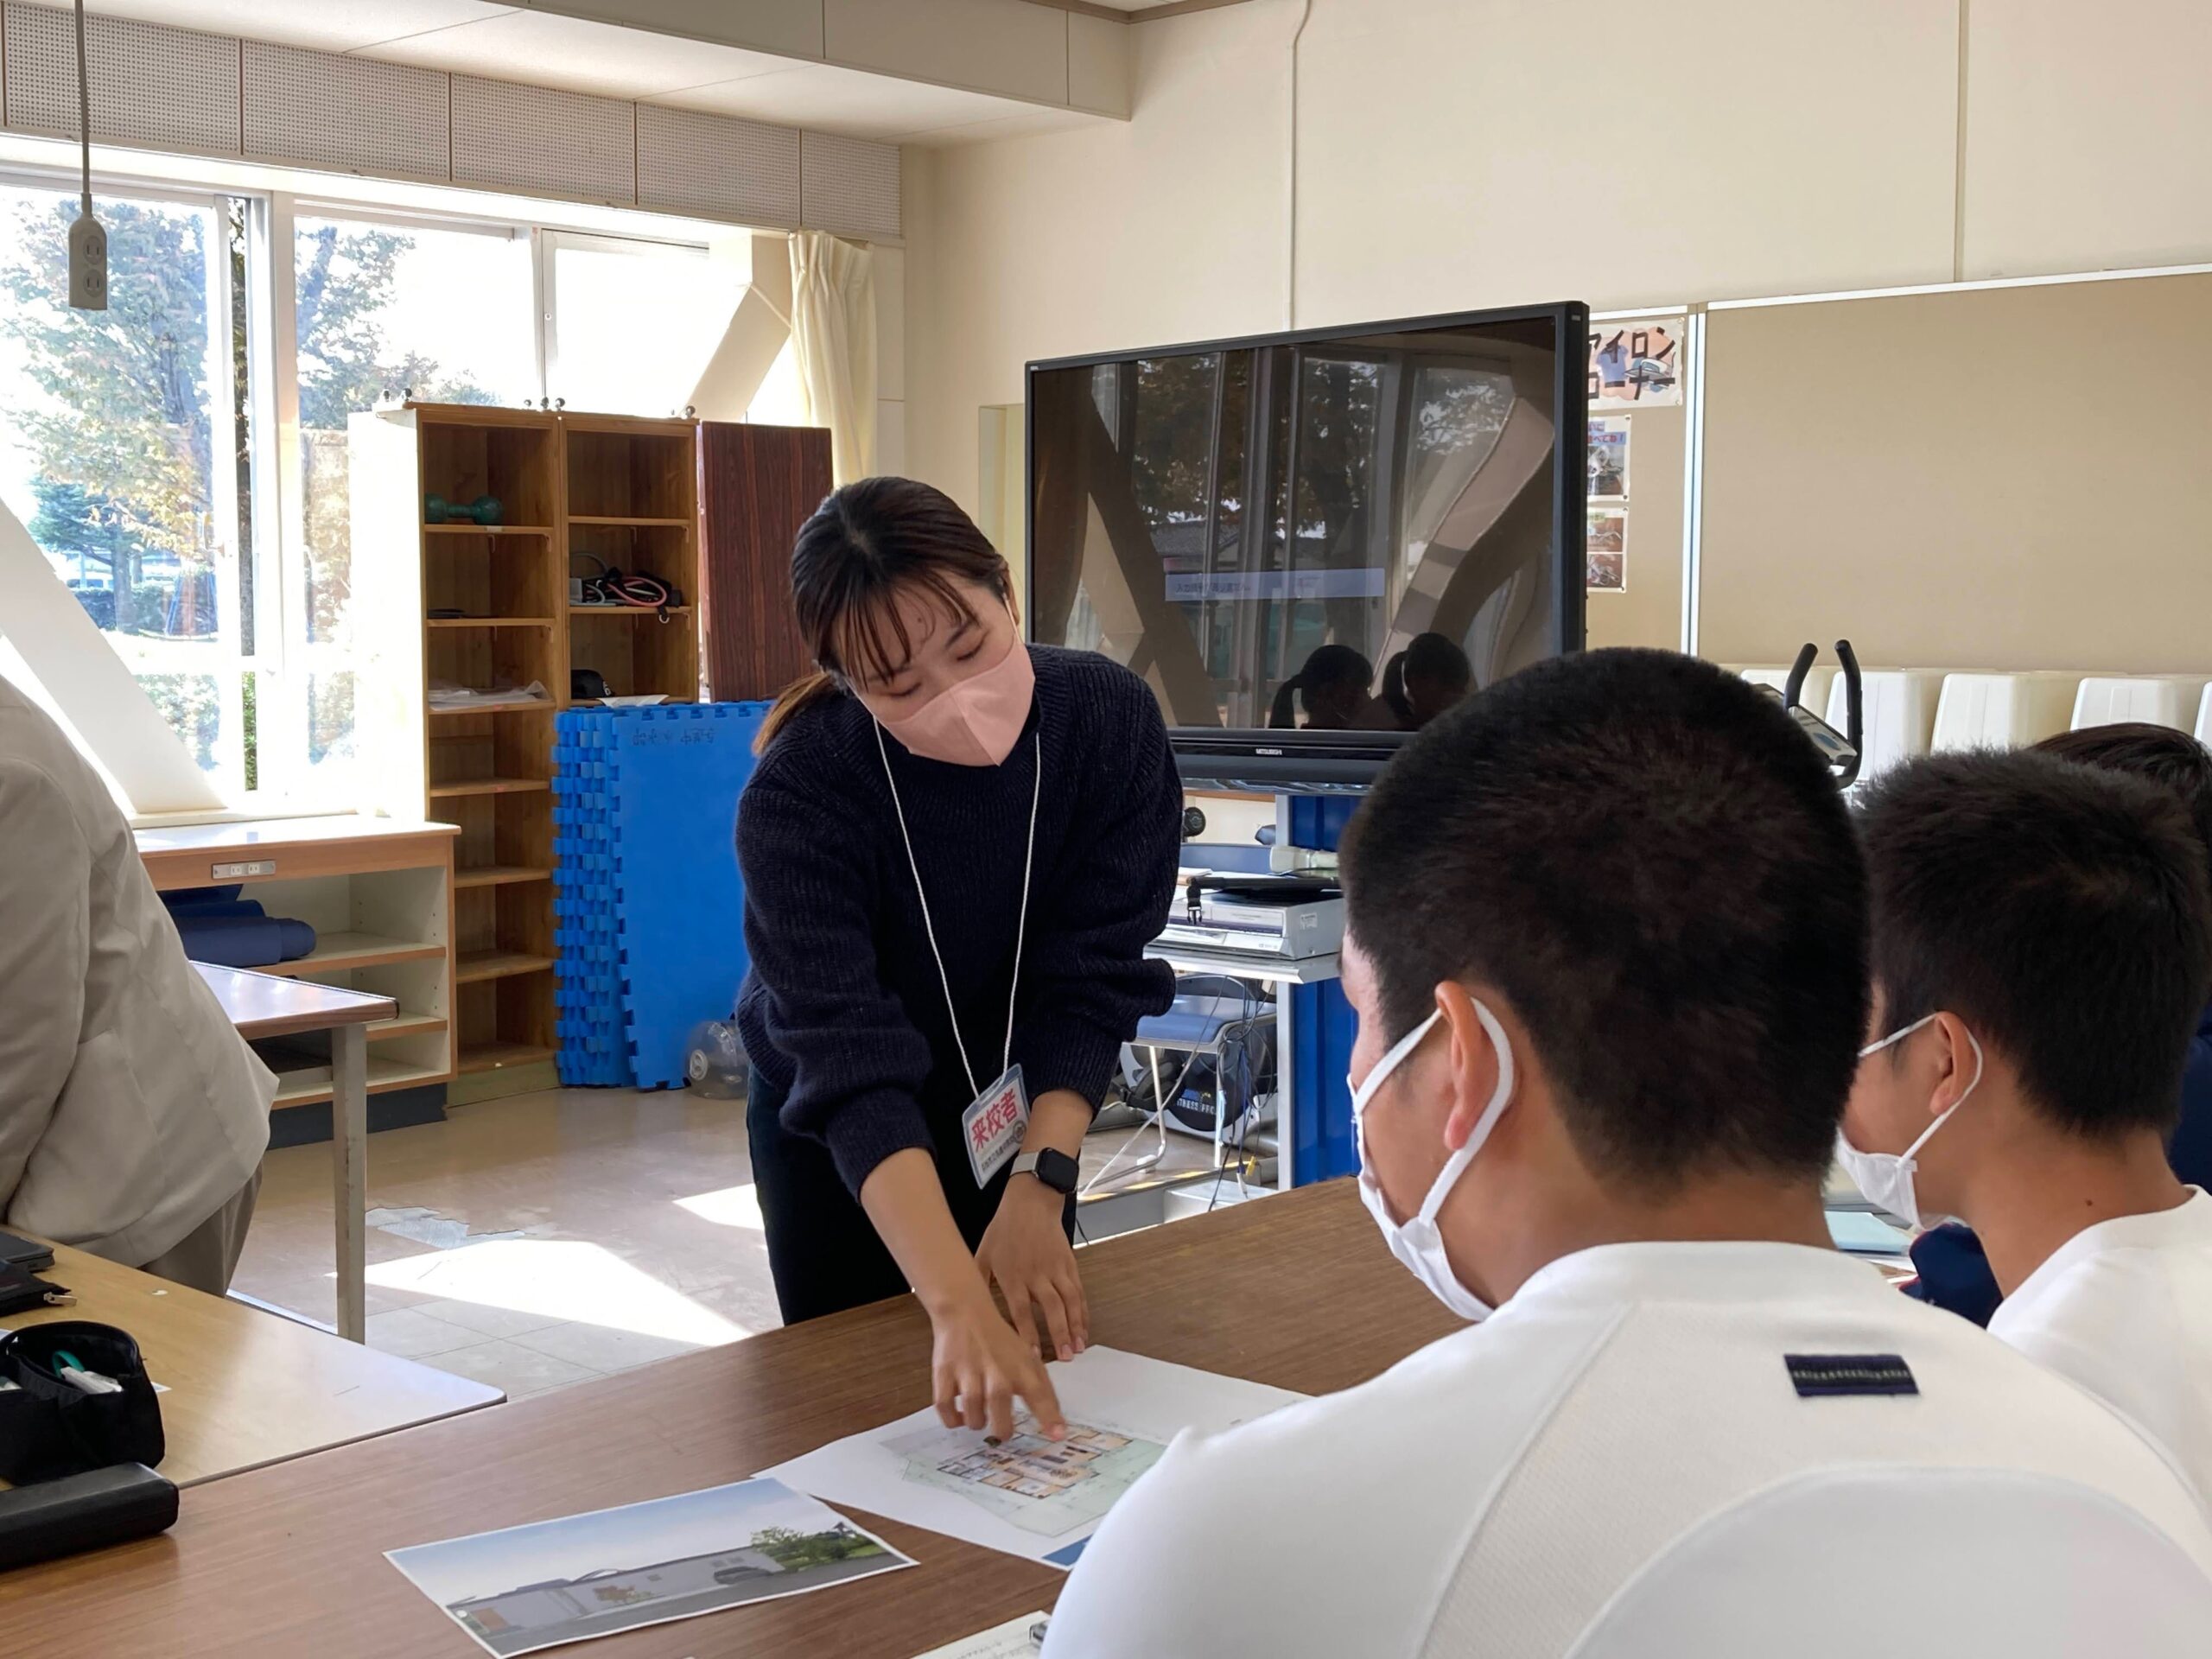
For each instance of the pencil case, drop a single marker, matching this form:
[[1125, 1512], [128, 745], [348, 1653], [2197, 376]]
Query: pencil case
[[50, 1428]]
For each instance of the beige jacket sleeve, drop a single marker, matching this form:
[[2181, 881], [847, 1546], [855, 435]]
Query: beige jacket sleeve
[[45, 943]]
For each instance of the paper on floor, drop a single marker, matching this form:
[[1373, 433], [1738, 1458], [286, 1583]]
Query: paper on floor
[[1030, 1497]]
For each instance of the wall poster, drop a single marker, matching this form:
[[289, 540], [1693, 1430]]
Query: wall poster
[[1635, 363], [1605, 555]]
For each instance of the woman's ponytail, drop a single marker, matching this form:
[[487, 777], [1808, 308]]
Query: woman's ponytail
[[801, 693], [1283, 714]]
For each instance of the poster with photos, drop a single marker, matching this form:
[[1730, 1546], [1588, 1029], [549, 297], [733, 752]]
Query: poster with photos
[[1605, 549], [1608, 457], [1636, 364]]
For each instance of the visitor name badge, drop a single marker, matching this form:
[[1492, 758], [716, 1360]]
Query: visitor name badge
[[992, 1128]]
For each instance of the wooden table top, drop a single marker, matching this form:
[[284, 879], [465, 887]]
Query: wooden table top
[[1297, 1291], [280, 832], [261, 1005], [201, 854], [246, 1387]]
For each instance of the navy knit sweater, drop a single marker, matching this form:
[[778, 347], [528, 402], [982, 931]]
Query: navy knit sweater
[[843, 1008]]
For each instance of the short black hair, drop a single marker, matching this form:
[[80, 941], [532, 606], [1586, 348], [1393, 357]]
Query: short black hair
[[2062, 911], [1433, 657], [2158, 753], [1645, 855]]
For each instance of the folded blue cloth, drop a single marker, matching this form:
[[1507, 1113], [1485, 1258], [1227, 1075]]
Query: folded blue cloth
[[211, 901], [244, 941]]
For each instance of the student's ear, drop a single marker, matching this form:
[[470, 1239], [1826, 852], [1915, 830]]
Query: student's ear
[[1474, 1058], [1957, 1065]]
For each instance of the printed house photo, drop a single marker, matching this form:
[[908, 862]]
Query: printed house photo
[[538, 1587]]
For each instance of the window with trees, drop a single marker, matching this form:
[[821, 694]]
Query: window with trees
[[124, 447], [181, 457]]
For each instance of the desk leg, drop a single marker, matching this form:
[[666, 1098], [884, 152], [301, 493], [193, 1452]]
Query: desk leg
[[1286, 1086], [349, 1151]]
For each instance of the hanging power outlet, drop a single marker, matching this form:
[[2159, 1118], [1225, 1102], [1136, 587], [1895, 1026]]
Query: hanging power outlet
[[87, 265]]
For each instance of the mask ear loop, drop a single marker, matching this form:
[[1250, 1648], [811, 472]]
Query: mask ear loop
[[1500, 1096], [1944, 1116]]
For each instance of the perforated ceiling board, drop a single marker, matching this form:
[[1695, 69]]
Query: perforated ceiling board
[[350, 113], [152, 86], [848, 185], [712, 164], [532, 138]]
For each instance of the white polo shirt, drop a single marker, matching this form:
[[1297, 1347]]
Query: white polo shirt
[[2125, 1309], [1491, 1493]]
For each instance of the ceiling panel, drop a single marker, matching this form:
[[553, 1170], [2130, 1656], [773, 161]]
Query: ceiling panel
[[577, 56], [846, 101], [1027, 124], [332, 25]]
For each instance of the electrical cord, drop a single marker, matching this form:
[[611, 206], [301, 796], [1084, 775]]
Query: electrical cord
[[84, 112], [628, 590], [1157, 1120]]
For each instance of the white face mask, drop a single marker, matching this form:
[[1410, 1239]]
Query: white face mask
[[1886, 1177], [1416, 1244]]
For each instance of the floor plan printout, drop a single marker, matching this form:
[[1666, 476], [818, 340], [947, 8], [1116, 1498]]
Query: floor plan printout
[[1047, 1487], [1027, 1495]]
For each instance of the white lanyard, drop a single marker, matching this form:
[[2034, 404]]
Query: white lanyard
[[1021, 925]]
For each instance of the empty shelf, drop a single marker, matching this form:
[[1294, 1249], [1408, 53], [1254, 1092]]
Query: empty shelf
[[476, 966], [335, 951], [498, 1056], [499, 875], [455, 786]]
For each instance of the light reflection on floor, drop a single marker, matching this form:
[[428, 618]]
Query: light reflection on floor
[[535, 1242]]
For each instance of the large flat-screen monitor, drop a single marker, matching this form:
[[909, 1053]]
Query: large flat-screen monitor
[[1261, 527]]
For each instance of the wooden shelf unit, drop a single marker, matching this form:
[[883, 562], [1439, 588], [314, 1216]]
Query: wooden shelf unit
[[632, 505], [379, 895], [623, 491]]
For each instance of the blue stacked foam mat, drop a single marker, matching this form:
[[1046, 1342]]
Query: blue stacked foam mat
[[649, 909], [589, 1000]]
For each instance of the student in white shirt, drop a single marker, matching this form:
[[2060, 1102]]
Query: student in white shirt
[[132, 1116], [2042, 947], [1607, 951]]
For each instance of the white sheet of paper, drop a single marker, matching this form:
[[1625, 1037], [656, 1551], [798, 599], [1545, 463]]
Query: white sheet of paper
[[1007, 1641], [578, 1577], [1032, 1496]]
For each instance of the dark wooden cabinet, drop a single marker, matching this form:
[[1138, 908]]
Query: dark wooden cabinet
[[758, 484]]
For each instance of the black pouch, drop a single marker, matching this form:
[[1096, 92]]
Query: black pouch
[[49, 1427]]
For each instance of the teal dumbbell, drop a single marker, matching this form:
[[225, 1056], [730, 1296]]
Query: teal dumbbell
[[484, 510]]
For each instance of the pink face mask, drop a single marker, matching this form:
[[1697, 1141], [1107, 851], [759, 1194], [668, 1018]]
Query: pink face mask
[[978, 722]]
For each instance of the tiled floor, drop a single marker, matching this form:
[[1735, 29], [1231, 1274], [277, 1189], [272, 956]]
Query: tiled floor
[[537, 1241], [550, 1238]]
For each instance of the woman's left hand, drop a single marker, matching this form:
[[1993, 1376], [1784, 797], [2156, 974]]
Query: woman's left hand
[[1026, 1254]]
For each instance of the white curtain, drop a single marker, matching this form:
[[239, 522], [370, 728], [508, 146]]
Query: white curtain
[[833, 335]]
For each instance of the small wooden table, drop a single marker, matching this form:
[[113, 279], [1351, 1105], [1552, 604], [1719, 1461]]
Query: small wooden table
[[246, 1387], [1295, 1290], [261, 1005]]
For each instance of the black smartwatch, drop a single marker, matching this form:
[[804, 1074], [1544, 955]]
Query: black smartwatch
[[1053, 1168]]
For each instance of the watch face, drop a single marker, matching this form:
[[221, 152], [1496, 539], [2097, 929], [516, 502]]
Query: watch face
[[1057, 1170]]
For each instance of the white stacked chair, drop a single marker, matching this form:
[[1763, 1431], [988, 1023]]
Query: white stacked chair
[[2112, 700], [2002, 711], [1899, 710]]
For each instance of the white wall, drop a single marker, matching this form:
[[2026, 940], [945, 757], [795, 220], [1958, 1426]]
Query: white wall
[[1461, 153], [1170, 227]]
